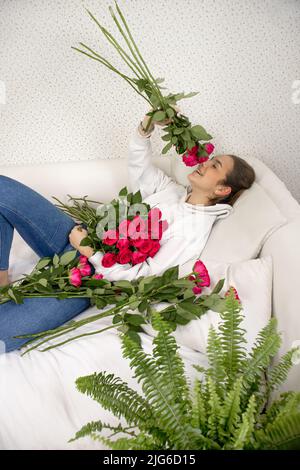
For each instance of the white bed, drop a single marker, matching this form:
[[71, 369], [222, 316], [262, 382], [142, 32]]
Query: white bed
[[40, 407]]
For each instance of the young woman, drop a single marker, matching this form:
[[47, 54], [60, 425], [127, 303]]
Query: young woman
[[190, 212]]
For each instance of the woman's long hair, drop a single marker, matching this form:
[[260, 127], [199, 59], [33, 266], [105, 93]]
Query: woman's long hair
[[240, 178]]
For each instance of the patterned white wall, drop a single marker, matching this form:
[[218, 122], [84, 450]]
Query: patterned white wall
[[241, 55]]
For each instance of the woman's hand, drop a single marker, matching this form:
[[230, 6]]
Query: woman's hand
[[75, 236], [165, 122]]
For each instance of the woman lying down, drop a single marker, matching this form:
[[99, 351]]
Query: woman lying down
[[190, 212]]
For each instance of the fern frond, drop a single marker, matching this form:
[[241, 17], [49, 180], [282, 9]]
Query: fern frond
[[232, 337], [265, 348], [288, 403], [243, 433], [231, 409], [94, 427], [214, 410], [113, 394], [278, 374], [140, 442], [156, 386], [216, 369], [170, 364], [198, 411], [283, 434]]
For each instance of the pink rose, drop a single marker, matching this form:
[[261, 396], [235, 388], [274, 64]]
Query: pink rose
[[144, 246], [75, 277], [190, 160], [109, 259], [197, 290], [85, 270], [110, 237], [138, 257], [209, 148], [83, 260], [124, 256], [154, 249], [202, 273], [98, 276], [123, 243]]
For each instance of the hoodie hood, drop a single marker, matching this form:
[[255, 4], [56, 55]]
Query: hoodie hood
[[220, 211]]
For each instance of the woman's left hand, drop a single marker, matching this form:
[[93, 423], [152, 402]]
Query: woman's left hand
[[75, 236]]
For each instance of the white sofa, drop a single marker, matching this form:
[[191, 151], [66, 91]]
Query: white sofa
[[266, 222]]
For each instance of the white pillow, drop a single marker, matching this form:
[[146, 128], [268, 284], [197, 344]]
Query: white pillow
[[241, 235], [253, 282]]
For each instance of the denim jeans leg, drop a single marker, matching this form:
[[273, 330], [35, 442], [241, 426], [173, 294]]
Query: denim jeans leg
[[43, 226], [33, 316]]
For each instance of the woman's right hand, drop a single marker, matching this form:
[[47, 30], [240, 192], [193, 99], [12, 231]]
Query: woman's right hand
[[165, 122]]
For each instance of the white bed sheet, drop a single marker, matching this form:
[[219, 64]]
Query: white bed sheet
[[40, 407]]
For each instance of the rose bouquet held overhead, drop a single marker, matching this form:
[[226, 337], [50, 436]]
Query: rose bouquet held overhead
[[191, 141]]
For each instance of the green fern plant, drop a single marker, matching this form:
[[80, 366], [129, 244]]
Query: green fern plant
[[226, 408]]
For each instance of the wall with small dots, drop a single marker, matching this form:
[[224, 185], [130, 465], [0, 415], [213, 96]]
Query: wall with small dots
[[241, 55]]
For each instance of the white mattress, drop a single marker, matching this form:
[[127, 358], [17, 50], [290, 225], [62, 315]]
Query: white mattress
[[40, 405]]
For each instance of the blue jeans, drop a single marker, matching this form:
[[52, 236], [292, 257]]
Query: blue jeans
[[46, 229]]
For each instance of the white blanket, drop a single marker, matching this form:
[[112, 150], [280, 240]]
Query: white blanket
[[40, 407]]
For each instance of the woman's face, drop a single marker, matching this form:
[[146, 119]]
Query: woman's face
[[207, 175]]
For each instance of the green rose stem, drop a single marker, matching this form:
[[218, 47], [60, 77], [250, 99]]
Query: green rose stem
[[138, 67], [54, 333]]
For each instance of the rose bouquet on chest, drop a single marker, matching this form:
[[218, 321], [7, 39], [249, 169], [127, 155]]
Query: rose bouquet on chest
[[126, 230]]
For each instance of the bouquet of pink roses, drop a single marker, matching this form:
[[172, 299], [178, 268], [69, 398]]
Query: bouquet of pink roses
[[126, 230], [134, 240]]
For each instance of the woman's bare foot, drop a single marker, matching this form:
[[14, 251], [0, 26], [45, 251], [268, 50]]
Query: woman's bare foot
[[4, 278]]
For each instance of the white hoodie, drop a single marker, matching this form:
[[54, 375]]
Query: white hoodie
[[189, 225]]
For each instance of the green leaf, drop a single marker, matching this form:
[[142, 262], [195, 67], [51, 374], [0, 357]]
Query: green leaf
[[185, 313], [124, 284], [182, 283], [134, 319], [44, 282], [67, 257], [123, 191], [166, 148], [170, 274], [200, 133], [192, 93], [189, 306], [116, 318], [178, 131], [218, 287], [134, 336], [143, 306], [15, 296], [137, 198], [166, 137], [42, 263], [170, 112], [55, 260], [159, 116], [174, 140]]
